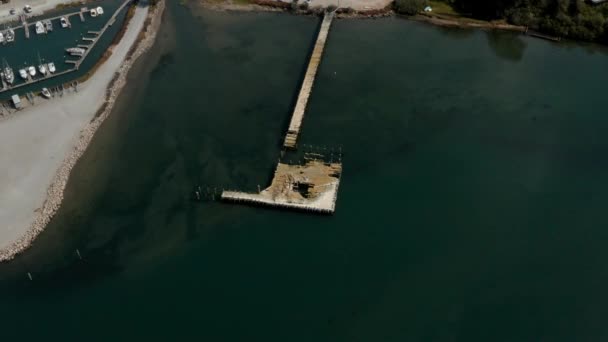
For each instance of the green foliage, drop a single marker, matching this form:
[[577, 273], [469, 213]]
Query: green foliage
[[409, 7], [575, 19]]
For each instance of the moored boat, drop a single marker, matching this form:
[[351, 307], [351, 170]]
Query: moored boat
[[52, 68], [75, 51], [32, 70], [42, 69], [9, 75], [10, 35], [2, 39], [93, 12], [46, 93], [48, 24], [23, 73], [39, 28], [99, 10], [64, 22]]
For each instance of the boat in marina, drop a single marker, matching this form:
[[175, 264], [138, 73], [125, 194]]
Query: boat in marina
[[40, 28], [2, 40], [64, 22], [93, 12], [10, 35], [99, 10], [52, 68], [9, 75], [32, 70], [48, 24], [23, 73], [42, 69], [41, 66], [75, 51], [46, 93]]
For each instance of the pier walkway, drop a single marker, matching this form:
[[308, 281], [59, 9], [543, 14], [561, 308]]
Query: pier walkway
[[309, 78]]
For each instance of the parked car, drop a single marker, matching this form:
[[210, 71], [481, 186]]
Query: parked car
[[13, 11], [27, 9]]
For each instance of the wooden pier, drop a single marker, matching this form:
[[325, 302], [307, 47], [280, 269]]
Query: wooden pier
[[311, 187], [309, 78]]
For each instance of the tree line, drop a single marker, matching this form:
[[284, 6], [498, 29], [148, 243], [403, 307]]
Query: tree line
[[577, 19]]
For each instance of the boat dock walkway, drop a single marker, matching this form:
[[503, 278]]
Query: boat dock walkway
[[309, 78]]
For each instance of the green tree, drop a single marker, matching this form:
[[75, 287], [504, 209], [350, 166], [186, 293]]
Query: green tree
[[409, 7]]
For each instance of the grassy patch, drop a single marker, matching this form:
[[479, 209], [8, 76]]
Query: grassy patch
[[442, 8]]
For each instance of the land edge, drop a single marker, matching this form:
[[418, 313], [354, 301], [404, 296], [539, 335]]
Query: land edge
[[349, 13], [55, 191]]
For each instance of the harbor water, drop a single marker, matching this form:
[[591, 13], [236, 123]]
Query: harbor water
[[471, 204], [50, 47]]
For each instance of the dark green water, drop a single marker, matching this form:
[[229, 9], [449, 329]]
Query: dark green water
[[472, 204]]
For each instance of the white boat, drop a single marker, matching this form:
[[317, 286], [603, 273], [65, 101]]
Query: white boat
[[41, 66], [46, 93], [2, 40], [32, 71], [10, 35], [23, 73], [52, 68], [75, 51], [39, 28], [93, 12], [64, 22], [9, 75], [99, 10], [48, 24]]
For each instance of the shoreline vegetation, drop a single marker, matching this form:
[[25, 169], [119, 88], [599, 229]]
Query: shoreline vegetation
[[557, 19], [54, 194]]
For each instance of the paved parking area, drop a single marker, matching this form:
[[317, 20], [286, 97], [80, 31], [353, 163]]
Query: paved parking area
[[38, 6]]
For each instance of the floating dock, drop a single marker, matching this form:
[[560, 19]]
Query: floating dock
[[309, 78], [310, 187]]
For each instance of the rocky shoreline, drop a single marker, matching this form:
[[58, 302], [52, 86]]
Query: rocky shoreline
[[55, 191]]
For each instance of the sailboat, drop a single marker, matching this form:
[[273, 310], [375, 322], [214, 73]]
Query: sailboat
[[40, 28], [9, 75], [23, 73], [52, 68], [41, 66], [32, 70]]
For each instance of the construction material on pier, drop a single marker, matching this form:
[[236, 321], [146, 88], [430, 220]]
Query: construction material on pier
[[309, 187], [309, 78]]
